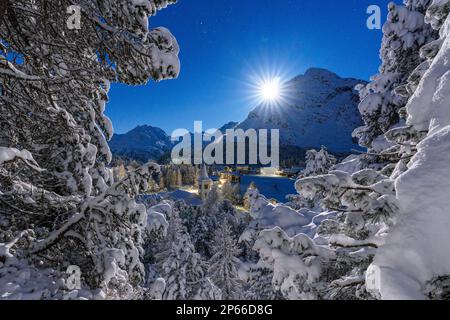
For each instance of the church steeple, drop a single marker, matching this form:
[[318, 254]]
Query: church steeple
[[204, 183], [203, 174]]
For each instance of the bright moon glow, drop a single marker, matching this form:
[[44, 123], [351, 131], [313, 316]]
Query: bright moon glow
[[271, 90], [268, 89]]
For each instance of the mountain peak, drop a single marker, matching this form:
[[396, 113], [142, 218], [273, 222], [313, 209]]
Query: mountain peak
[[321, 109], [145, 127], [320, 73], [143, 143]]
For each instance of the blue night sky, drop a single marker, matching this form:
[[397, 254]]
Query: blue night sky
[[223, 42]]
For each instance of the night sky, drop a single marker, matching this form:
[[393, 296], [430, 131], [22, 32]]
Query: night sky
[[225, 43]]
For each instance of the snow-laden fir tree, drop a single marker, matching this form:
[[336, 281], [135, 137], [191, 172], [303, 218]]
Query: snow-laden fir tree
[[175, 259], [260, 286], [383, 100], [160, 250], [416, 254], [59, 203], [224, 264], [318, 162], [214, 212], [205, 222], [249, 195], [230, 192], [211, 200], [184, 271]]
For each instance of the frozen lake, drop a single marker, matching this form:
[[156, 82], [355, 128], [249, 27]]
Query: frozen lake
[[271, 187]]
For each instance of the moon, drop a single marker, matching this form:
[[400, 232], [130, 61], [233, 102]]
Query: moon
[[270, 90]]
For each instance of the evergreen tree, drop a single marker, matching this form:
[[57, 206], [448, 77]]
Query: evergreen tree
[[184, 271], [421, 180], [230, 192], [224, 264], [318, 162], [211, 201], [383, 100], [174, 231], [251, 194], [260, 285]]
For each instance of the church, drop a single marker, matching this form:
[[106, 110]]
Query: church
[[205, 183]]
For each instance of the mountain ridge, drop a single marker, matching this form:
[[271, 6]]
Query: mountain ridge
[[142, 144], [321, 109]]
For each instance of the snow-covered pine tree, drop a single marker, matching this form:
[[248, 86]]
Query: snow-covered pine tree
[[412, 254], [201, 233], [226, 213], [230, 192], [224, 264], [161, 249], [318, 162], [205, 222], [189, 214], [383, 100], [211, 200], [251, 194], [175, 260], [185, 273], [260, 285], [56, 189], [214, 212]]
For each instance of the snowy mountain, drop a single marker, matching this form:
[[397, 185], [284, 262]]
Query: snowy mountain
[[229, 125], [320, 108], [141, 144]]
